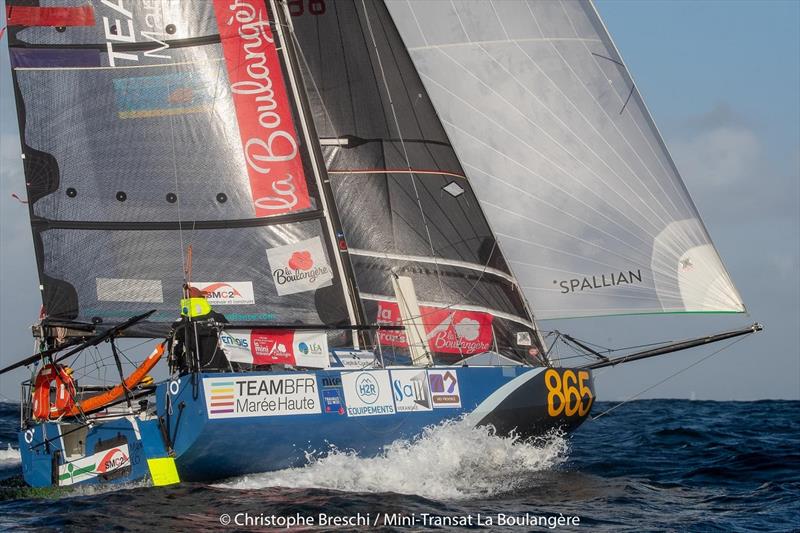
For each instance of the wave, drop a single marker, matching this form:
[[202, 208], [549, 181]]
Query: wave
[[10, 456], [451, 461]]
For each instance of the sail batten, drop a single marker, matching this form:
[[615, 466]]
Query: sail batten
[[564, 157]]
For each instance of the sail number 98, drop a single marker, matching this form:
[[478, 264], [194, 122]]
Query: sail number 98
[[567, 393]]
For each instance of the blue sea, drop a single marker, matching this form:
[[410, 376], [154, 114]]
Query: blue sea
[[650, 465]]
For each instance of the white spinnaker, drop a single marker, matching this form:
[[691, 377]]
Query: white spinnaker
[[568, 165]]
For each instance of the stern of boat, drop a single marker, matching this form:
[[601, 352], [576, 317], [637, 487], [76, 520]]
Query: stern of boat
[[118, 450]]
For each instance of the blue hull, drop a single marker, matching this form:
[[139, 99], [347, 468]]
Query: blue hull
[[226, 424]]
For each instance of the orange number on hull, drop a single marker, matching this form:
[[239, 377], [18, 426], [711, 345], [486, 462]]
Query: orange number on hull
[[573, 393], [585, 392], [553, 381]]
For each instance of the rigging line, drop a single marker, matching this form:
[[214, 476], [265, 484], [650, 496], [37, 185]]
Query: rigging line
[[409, 170], [628, 99], [712, 354], [402, 143], [352, 96], [431, 195], [128, 359], [612, 350], [178, 194], [411, 101], [472, 288], [609, 58], [302, 55]]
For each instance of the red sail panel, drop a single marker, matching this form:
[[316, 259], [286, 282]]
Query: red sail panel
[[448, 330], [269, 138], [49, 16]]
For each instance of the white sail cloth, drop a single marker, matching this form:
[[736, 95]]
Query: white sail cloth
[[568, 165]]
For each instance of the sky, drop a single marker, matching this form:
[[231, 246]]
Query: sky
[[722, 80]]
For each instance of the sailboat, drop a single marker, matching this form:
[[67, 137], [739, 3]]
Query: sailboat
[[338, 221]]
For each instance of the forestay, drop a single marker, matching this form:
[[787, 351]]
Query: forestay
[[564, 157]]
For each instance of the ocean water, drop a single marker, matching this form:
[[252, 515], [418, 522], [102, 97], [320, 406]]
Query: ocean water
[[651, 465]]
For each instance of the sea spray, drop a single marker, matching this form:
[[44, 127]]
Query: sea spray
[[9, 456], [452, 460]]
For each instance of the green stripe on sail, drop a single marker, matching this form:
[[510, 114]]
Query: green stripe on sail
[[645, 313]]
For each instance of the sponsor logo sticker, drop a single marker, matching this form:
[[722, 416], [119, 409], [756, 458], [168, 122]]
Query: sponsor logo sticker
[[332, 401], [411, 390], [355, 359], [524, 338], [299, 267], [271, 347], [444, 388], [368, 393], [239, 397], [452, 331], [331, 381], [276, 347], [227, 292], [103, 462], [311, 349]]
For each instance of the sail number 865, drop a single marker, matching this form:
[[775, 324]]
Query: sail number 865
[[568, 393]]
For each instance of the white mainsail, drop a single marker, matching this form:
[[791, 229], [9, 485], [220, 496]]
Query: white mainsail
[[570, 169]]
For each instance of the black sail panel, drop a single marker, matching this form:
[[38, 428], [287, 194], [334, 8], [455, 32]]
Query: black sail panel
[[151, 127], [400, 191]]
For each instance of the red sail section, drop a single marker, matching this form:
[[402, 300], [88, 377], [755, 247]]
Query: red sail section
[[49, 16], [269, 139], [451, 331]]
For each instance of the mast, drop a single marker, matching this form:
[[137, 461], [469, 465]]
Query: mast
[[331, 215]]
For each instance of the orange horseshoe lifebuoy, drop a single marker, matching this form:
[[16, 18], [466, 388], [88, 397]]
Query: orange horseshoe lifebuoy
[[98, 401], [65, 392]]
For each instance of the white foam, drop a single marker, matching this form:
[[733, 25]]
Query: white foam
[[9, 456], [453, 460]]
